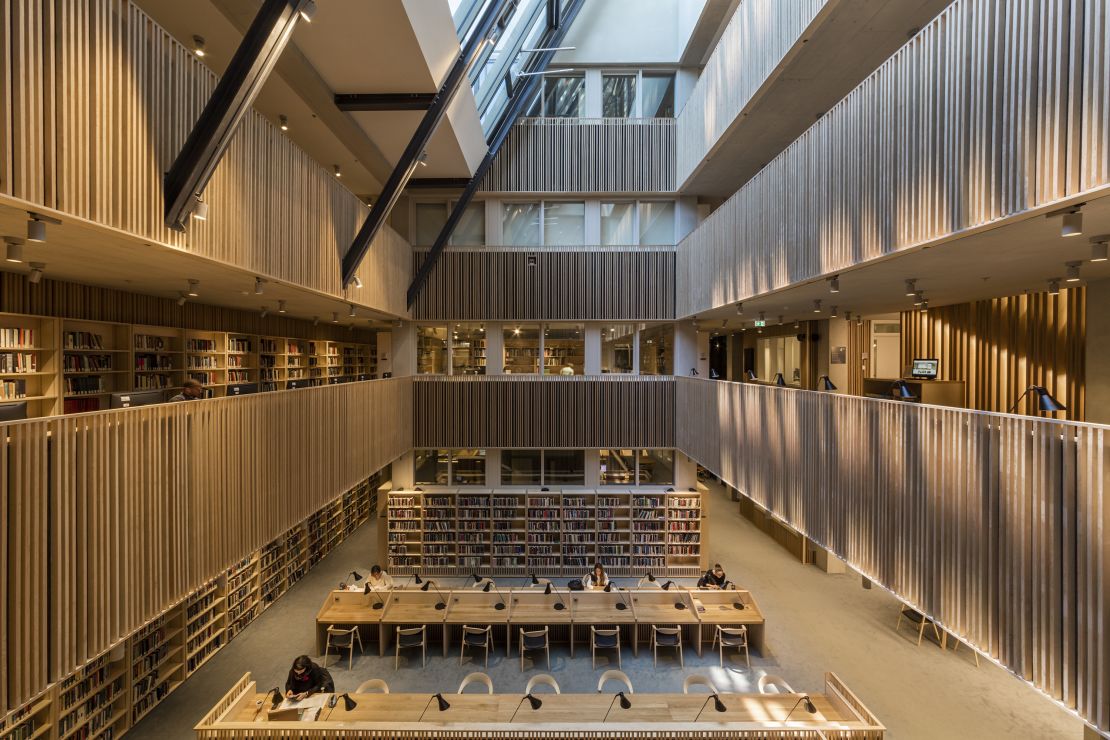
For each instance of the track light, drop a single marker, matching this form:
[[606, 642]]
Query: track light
[[834, 313], [924, 306], [834, 284], [335, 168], [422, 160], [817, 306], [781, 319], [859, 320], [181, 298], [308, 11], [1072, 275], [357, 281], [335, 317], [911, 287], [739, 309], [315, 320], [36, 272], [797, 324], [1054, 286], [192, 291], [200, 210], [36, 230], [351, 313], [15, 250], [1099, 247], [198, 46], [263, 312], [281, 306], [918, 297], [259, 286], [283, 122], [1072, 223], [847, 315]]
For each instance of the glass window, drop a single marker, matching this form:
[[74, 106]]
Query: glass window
[[564, 349], [618, 223], [468, 349], [657, 350], [618, 95], [564, 224], [564, 468], [430, 467], [564, 96], [468, 467], [471, 231], [779, 355], [431, 350], [520, 224], [657, 223], [430, 218], [520, 467], [616, 348], [656, 467], [618, 467], [658, 95], [522, 348]]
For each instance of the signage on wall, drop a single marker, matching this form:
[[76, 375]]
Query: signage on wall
[[759, 323]]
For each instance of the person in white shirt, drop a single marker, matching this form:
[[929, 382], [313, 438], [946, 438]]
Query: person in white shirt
[[597, 579], [379, 580]]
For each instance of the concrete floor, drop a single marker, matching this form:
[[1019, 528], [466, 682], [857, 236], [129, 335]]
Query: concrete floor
[[816, 623]]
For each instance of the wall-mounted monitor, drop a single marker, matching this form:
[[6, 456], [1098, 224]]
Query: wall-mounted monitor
[[13, 411], [242, 389], [130, 399], [925, 369]]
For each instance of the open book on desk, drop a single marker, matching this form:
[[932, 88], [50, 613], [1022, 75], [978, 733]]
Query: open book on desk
[[316, 701]]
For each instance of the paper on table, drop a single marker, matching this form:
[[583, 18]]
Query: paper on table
[[310, 715], [316, 701]]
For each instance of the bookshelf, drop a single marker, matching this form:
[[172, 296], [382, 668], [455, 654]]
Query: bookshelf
[[158, 357], [30, 721], [560, 353], [296, 361], [521, 356], [271, 363], [95, 363], [244, 593], [512, 531], [93, 702], [242, 359], [29, 362], [468, 357], [157, 661], [206, 359], [205, 625]]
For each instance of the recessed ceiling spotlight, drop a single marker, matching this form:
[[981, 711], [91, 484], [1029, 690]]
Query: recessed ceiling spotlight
[[281, 306], [834, 284], [911, 287], [37, 269], [1072, 275], [193, 286], [198, 46]]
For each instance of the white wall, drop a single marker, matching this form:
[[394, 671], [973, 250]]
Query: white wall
[[630, 32], [838, 337]]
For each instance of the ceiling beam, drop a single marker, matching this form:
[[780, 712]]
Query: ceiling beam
[[383, 101], [438, 183]]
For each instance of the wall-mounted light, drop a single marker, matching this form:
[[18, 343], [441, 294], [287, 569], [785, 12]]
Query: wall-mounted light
[[198, 46]]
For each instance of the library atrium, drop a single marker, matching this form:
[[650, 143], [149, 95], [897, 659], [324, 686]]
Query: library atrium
[[393, 369]]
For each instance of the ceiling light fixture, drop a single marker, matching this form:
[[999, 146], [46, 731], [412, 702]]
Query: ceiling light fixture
[[357, 282], [36, 272], [422, 160], [315, 320], [918, 297], [817, 306], [1054, 286], [259, 286], [200, 210], [834, 313], [283, 122], [847, 315], [781, 318], [308, 11], [1072, 275], [198, 46], [911, 287], [281, 306], [1072, 223], [834, 284], [924, 306], [740, 309], [1099, 246], [192, 291], [263, 312], [15, 250], [351, 312], [335, 317], [181, 298], [335, 168], [36, 230], [797, 324]]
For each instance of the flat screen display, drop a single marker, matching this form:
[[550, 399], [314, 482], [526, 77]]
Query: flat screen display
[[924, 369]]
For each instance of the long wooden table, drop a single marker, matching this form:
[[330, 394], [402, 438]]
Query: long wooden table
[[840, 715], [530, 608]]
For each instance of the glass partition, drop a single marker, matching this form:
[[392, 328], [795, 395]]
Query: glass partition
[[618, 223], [521, 467], [471, 231], [657, 350], [618, 95], [468, 467], [430, 219], [656, 467], [431, 467], [431, 350], [564, 96], [468, 349], [658, 95], [618, 467], [522, 348], [657, 223], [564, 224], [564, 468], [520, 224], [564, 349], [616, 348]]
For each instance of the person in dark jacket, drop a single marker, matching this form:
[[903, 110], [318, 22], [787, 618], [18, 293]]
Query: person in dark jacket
[[714, 578], [307, 678]]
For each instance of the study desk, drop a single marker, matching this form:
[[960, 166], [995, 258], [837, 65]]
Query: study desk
[[475, 608], [840, 715], [718, 608], [415, 608], [532, 609], [351, 609], [599, 609], [672, 608]]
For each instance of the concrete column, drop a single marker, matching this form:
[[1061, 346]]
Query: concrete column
[[493, 468], [495, 348], [404, 475], [385, 353], [686, 346], [685, 472], [838, 337], [592, 335], [404, 350], [593, 468]]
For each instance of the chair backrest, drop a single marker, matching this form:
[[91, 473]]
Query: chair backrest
[[665, 630], [374, 684], [737, 634], [477, 677], [468, 630], [412, 631], [608, 633], [698, 680], [541, 679], [333, 630], [772, 684], [534, 633], [614, 675], [645, 583]]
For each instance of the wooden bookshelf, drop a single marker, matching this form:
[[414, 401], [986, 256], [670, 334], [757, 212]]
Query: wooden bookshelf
[[560, 353], [522, 356], [614, 523], [242, 359], [579, 542], [468, 357], [271, 363], [30, 363], [243, 586], [206, 360], [205, 625], [474, 520], [544, 552], [649, 524], [510, 532], [683, 530], [95, 363], [94, 701], [29, 722], [405, 527], [158, 357], [441, 535], [157, 661]]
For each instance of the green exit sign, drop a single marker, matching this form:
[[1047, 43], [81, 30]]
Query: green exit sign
[[760, 322]]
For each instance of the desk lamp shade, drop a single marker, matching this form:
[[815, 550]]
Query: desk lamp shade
[[534, 701], [750, 373], [443, 705], [1045, 401], [779, 380], [826, 384], [348, 703], [902, 390]]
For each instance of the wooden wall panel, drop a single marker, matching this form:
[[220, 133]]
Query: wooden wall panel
[[117, 515], [753, 45], [586, 155], [586, 284], [994, 525], [101, 154], [976, 119], [555, 411], [1001, 347]]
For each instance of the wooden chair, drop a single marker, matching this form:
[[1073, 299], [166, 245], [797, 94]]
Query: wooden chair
[[374, 684], [736, 637], [476, 637], [412, 637], [697, 679], [343, 639], [915, 617], [614, 675], [476, 677], [535, 640], [666, 637], [541, 679], [772, 684], [974, 652], [604, 640]]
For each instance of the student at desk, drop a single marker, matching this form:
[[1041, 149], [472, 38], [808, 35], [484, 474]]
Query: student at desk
[[597, 579], [306, 678], [714, 578], [379, 580]]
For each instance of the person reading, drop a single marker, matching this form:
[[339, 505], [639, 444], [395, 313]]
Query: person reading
[[306, 678], [597, 579], [379, 580], [191, 390], [713, 578]]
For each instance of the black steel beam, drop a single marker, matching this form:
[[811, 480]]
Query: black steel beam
[[522, 92], [438, 183], [384, 101], [240, 84], [395, 185]]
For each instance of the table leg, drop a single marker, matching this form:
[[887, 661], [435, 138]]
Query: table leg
[[700, 646], [446, 634], [381, 640]]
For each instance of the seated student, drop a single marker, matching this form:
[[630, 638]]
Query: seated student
[[306, 678], [714, 578], [597, 579], [378, 579]]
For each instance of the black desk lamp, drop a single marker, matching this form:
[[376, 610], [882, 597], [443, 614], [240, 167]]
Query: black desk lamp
[[532, 700], [779, 380], [825, 383], [367, 590], [621, 606], [902, 390], [808, 704], [443, 705], [348, 703], [499, 606], [625, 704], [1045, 401], [441, 604], [738, 604], [347, 580], [667, 587], [275, 702], [751, 374], [717, 704], [558, 606]]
